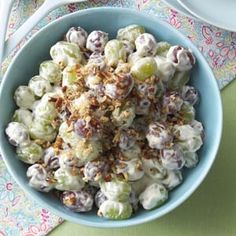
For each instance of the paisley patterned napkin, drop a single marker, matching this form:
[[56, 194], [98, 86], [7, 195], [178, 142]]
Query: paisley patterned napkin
[[20, 215]]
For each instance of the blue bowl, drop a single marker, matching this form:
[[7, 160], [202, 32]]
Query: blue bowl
[[26, 64]]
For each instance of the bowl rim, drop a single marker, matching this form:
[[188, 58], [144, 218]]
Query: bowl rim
[[194, 186]]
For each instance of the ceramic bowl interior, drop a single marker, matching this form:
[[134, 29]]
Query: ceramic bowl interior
[[26, 64]]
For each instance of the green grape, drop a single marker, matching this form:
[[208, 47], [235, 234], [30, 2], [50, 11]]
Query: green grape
[[178, 80], [69, 76], [188, 138], [131, 168], [123, 116], [40, 129], [144, 68], [115, 210], [68, 135], [30, 154], [116, 190], [165, 69], [185, 132], [50, 71], [65, 53], [24, 97], [191, 159], [23, 116], [162, 48], [191, 145], [197, 126], [114, 52], [186, 113], [130, 33], [153, 196], [45, 110], [153, 168], [133, 58], [172, 179], [67, 181], [87, 150], [39, 85]]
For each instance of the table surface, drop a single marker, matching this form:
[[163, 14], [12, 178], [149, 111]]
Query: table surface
[[211, 210]]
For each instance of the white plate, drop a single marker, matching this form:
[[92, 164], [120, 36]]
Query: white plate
[[175, 5], [220, 13]]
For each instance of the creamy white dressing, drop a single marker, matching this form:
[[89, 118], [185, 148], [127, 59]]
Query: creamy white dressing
[[180, 58], [158, 141], [50, 71], [23, 116], [96, 41], [24, 97], [165, 68], [153, 168], [38, 175], [18, 134], [113, 92], [67, 181], [153, 196], [146, 45], [132, 168], [77, 35], [65, 53], [39, 85], [172, 179]]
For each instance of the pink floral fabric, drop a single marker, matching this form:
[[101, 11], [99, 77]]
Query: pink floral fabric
[[22, 216]]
